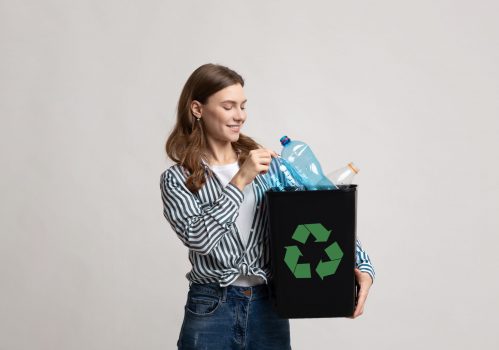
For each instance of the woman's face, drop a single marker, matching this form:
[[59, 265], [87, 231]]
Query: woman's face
[[223, 113]]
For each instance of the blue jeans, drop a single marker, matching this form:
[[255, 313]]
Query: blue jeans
[[232, 317]]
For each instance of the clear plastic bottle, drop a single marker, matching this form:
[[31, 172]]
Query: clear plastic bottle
[[343, 177], [301, 157]]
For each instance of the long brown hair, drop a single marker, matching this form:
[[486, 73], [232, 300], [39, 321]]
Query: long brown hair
[[187, 143]]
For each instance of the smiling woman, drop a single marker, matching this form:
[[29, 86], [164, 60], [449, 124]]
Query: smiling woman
[[213, 198]]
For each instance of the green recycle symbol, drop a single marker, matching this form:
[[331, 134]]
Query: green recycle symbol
[[293, 253]]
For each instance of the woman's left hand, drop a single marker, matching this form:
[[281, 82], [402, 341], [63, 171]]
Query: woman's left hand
[[365, 282]]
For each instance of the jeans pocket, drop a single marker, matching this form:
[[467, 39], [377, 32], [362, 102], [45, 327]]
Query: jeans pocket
[[202, 304]]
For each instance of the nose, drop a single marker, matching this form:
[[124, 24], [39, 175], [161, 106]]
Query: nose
[[240, 116]]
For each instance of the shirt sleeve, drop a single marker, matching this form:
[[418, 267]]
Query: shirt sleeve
[[199, 228], [275, 175], [363, 262]]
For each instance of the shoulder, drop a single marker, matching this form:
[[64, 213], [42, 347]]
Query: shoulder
[[177, 169], [176, 173]]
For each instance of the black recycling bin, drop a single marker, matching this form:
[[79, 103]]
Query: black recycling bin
[[312, 245]]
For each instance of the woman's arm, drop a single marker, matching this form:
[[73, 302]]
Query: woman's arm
[[199, 229], [363, 270], [363, 262]]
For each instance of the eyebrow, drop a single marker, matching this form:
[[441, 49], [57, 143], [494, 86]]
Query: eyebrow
[[231, 101]]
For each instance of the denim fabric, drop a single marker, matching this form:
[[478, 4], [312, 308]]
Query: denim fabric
[[232, 317]]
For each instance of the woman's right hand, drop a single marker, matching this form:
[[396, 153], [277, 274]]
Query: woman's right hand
[[257, 162]]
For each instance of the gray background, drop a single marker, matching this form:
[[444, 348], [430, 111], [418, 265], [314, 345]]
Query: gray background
[[406, 90]]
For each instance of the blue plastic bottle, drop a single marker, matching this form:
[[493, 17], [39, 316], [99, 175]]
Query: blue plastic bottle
[[300, 155], [282, 176]]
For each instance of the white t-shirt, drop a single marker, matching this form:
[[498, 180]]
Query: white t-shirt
[[245, 218]]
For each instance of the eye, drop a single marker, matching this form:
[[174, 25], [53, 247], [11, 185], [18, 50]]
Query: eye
[[227, 109]]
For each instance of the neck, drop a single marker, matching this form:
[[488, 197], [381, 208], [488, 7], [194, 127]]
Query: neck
[[221, 154]]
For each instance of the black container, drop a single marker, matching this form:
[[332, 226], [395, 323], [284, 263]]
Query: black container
[[321, 226]]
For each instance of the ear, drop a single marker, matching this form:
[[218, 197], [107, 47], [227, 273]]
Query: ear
[[196, 108]]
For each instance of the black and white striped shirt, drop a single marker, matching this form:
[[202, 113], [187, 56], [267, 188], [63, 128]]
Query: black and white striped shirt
[[205, 223]]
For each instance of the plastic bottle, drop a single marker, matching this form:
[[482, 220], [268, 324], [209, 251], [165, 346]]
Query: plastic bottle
[[282, 176], [301, 157], [343, 176]]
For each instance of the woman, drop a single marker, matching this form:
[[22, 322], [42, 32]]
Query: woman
[[213, 198]]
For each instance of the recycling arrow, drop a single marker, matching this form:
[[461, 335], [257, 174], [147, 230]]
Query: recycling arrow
[[317, 230], [291, 258], [323, 268], [326, 268]]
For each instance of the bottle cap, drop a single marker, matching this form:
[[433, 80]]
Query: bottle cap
[[353, 167], [284, 140]]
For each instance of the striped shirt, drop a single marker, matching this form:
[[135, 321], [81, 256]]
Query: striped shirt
[[204, 221]]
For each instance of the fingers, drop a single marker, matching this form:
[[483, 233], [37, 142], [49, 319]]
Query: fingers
[[362, 295], [269, 151], [361, 300], [267, 154], [359, 308], [264, 156]]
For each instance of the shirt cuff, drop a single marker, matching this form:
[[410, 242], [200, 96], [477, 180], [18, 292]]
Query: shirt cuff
[[234, 193], [368, 270]]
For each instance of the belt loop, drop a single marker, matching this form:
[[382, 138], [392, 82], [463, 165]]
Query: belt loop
[[224, 294]]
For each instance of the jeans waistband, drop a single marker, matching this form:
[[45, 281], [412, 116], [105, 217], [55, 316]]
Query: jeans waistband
[[259, 291]]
